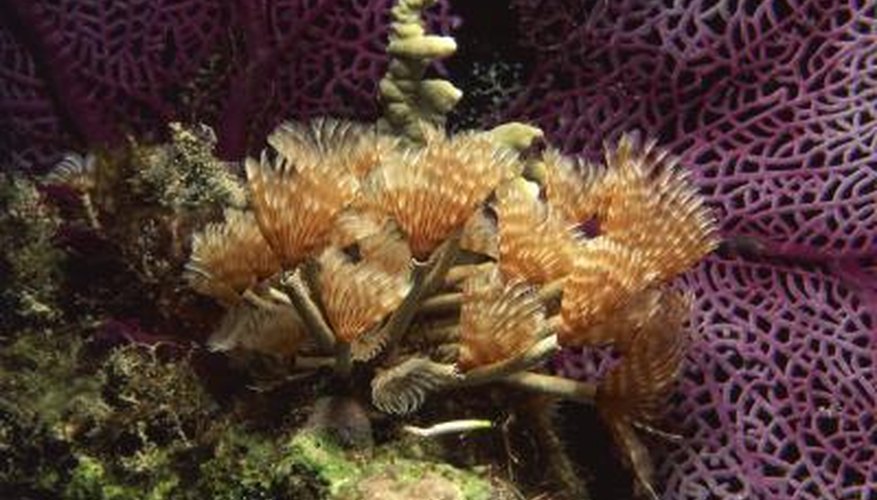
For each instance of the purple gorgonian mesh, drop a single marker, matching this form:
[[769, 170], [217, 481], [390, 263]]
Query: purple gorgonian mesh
[[79, 74], [773, 105]]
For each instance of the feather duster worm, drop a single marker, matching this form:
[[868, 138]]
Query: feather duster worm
[[355, 147], [605, 276], [297, 195], [480, 235], [432, 191], [230, 257], [653, 226], [377, 239], [357, 295], [573, 187], [274, 331], [402, 389], [498, 321], [651, 205], [641, 310], [633, 391], [534, 244]]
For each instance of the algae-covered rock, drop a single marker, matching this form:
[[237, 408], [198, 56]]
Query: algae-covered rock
[[45, 400], [184, 174], [251, 465], [29, 261], [394, 471]]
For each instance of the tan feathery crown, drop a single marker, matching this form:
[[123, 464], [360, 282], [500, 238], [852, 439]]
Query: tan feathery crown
[[633, 391], [229, 257], [605, 276], [297, 195], [358, 295], [356, 147], [652, 205], [277, 331], [573, 187], [498, 321], [534, 244], [619, 330], [432, 191]]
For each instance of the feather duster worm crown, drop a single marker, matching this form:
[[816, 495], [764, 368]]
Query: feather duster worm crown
[[355, 147], [431, 192], [572, 186], [230, 257], [641, 198], [651, 205], [605, 276], [358, 295], [298, 194], [276, 331], [534, 244], [377, 239], [633, 391], [653, 226], [641, 311], [498, 321]]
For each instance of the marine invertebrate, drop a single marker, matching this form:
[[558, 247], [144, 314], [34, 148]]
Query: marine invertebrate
[[534, 244], [231, 257], [432, 192], [498, 320], [342, 226], [358, 287], [298, 195], [357, 295]]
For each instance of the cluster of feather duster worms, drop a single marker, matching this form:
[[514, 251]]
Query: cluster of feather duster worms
[[461, 260]]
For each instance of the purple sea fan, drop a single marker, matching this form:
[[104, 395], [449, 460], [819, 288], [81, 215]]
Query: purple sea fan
[[80, 74], [774, 107]]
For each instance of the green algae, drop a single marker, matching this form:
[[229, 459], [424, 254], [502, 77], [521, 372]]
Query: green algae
[[400, 465], [29, 261]]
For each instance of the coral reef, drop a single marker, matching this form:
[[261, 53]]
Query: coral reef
[[768, 103]]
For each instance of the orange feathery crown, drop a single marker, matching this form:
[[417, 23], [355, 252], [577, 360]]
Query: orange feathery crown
[[358, 294], [432, 191], [498, 321], [298, 194], [230, 257], [653, 226], [534, 244]]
